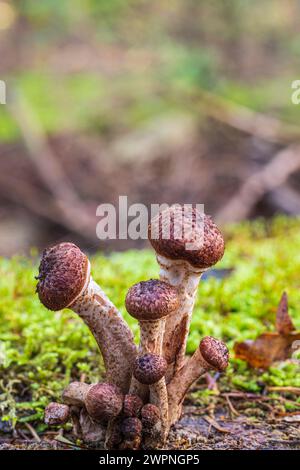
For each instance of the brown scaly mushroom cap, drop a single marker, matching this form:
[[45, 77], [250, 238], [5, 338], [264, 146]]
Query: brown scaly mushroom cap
[[194, 228], [56, 414], [132, 406], [64, 274], [104, 402], [214, 353], [150, 368], [131, 428], [151, 300], [150, 416]]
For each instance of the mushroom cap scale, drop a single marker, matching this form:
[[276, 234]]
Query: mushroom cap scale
[[185, 233], [104, 401], [56, 414], [64, 274], [151, 300], [132, 406], [214, 352], [131, 427], [150, 416], [149, 368]]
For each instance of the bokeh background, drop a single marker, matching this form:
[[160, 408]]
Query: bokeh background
[[163, 101]]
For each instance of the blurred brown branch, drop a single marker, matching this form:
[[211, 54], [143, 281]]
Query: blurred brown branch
[[73, 212], [272, 176], [245, 119]]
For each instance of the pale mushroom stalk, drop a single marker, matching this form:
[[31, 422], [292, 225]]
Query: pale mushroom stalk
[[141, 390], [84, 427], [185, 278], [159, 398], [113, 336], [75, 393], [187, 243], [211, 354], [65, 282], [150, 302]]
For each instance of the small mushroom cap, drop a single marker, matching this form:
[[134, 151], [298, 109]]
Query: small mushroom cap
[[131, 428], [149, 369], [150, 416], [185, 233], [132, 406], [64, 273], [56, 414], [215, 353], [104, 402], [151, 300]]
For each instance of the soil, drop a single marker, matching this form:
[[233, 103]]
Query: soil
[[199, 431]]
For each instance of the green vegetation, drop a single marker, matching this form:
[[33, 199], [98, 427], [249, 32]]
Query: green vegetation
[[136, 70], [40, 351]]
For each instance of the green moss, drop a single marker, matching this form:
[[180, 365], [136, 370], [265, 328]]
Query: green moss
[[40, 351]]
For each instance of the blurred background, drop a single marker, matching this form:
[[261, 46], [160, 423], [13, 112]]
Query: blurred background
[[163, 101]]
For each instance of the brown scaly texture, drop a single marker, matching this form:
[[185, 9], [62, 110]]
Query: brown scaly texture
[[131, 428], [182, 265], [104, 402], [194, 228], [56, 414], [215, 353], [65, 281], [149, 369], [150, 416], [114, 337], [132, 406], [62, 275], [151, 300], [211, 354]]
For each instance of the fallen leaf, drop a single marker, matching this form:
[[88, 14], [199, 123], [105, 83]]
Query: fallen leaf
[[284, 324], [271, 347]]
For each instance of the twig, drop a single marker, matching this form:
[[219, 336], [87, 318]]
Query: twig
[[33, 432], [215, 425], [231, 407], [294, 390], [246, 120], [273, 175]]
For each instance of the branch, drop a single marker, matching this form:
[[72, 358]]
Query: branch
[[272, 176], [51, 173], [246, 120]]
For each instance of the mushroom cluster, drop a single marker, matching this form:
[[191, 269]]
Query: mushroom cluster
[[145, 386]]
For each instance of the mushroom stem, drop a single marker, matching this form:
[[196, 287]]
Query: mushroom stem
[[181, 382], [91, 432], [151, 336], [141, 390], [185, 278], [212, 354], [75, 393], [113, 336], [159, 398]]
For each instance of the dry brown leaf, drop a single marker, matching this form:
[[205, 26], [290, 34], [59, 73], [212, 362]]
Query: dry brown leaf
[[271, 347], [284, 324]]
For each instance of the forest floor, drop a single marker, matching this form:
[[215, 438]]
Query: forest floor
[[42, 351]]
